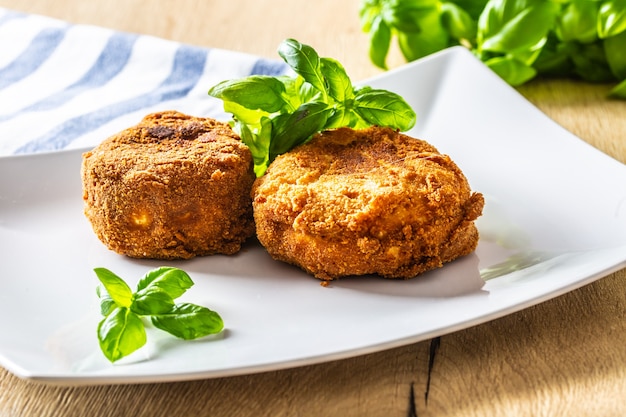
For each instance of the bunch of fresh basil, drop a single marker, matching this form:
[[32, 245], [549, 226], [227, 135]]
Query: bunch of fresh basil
[[517, 39], [275, 114]]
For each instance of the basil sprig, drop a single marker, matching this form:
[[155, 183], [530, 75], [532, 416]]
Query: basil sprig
[[122, 331], [517, 39], [274, 114]]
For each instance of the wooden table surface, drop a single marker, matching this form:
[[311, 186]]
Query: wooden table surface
[[564, 357]]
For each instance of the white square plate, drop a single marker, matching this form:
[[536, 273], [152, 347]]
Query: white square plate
[[555, 219]]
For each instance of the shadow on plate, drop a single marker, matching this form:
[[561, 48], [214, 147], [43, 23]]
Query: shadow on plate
[[458, 278]]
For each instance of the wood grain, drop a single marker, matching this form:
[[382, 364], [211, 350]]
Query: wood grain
[[566, 356], [583, 109]]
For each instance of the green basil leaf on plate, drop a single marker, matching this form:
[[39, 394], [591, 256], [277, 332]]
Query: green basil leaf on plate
[[121, 333], [189, 321], [173, 281], [115, 287]]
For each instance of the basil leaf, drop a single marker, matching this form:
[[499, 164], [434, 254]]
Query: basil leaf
[[293, 129], [121, 333], [406, 16], [115, 286], [298, 91], [151, 300], [254, 92], [356, 121], [380, 41], [513, 71], [258, 142], [172, 280], [368, 10], [384, 108], [615, 50], [611, 18], [525, 56], [434, 37], [107, 304], [505, 26], [304, 61], [458, 22], [243, 114], [339, 117], [578, 21], [189, 321], [338, 83]]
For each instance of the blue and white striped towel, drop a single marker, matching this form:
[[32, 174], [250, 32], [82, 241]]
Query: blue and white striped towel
[[70, 86]]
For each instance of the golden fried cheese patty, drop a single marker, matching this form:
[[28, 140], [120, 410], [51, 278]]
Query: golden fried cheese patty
[[173, 186], [371, 201]]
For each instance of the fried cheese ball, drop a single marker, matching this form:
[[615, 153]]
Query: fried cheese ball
[[172, 187], [371, 201]]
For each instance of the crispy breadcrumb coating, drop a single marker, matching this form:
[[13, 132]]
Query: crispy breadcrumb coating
[[173, 186], [372, 201]]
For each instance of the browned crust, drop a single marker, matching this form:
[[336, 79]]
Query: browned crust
[[173, 186], [372, 201]]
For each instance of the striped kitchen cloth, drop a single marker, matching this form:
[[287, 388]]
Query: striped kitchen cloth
[[71, 86]]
